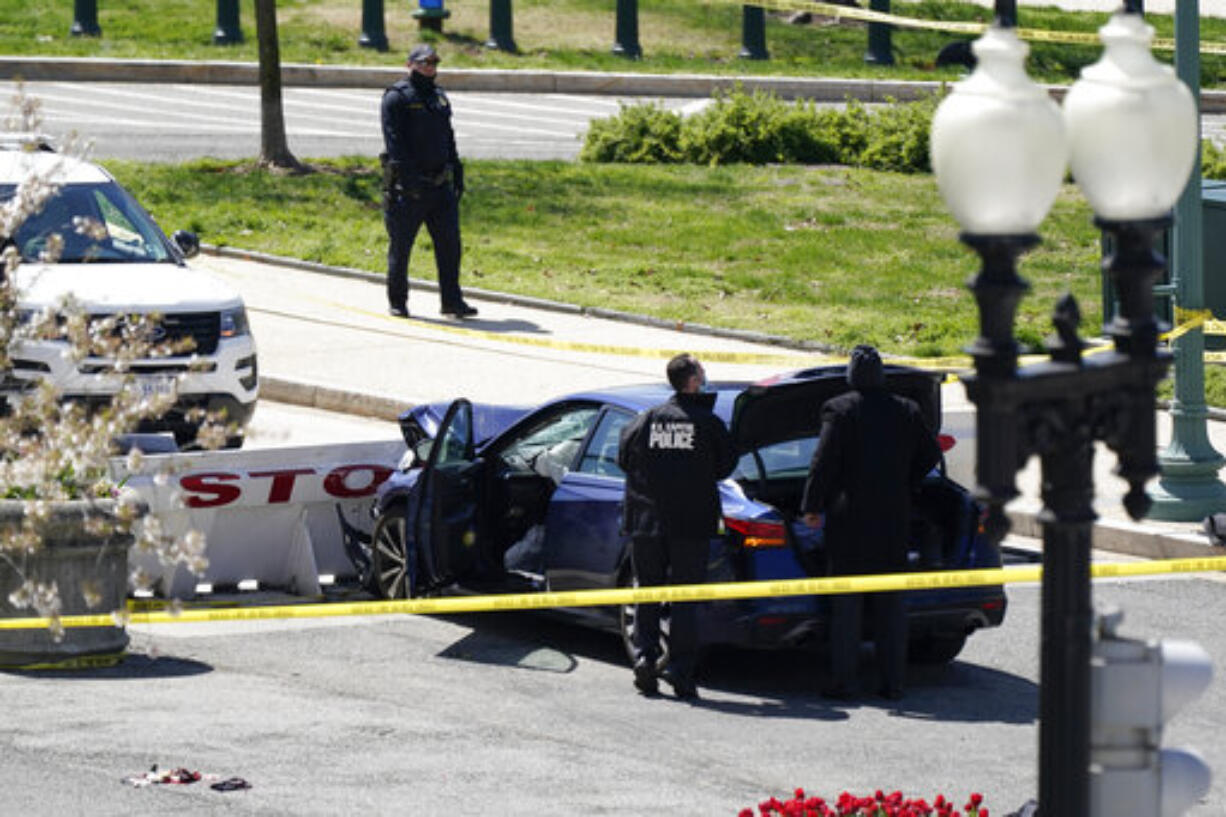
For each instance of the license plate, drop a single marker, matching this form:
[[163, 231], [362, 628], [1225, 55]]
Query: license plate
[[155, 386]]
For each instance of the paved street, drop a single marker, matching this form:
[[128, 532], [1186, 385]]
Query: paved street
[[175, 122]]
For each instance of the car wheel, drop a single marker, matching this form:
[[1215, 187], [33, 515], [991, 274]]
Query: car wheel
[[394, 566], [628, 620], [935, 649]]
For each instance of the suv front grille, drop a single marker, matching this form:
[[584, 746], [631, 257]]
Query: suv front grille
[[202, 327]]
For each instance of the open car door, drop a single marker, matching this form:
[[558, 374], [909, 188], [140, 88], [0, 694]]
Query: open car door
[[445, 522]]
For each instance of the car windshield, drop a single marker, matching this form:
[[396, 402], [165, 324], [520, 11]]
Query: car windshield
[[96, 222], [789, 458]]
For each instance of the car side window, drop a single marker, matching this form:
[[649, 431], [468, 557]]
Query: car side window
[[453, 447], [549, 438], [601, 455]]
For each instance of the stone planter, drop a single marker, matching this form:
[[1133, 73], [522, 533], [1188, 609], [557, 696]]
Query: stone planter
[[70, 557]]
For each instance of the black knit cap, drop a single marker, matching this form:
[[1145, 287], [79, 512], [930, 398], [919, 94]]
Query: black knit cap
[[423, 53], [864, 370]]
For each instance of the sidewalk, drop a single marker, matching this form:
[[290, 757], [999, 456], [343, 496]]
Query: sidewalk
[[325, 341]]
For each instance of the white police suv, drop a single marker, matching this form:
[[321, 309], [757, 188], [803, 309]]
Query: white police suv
[[115, 260]]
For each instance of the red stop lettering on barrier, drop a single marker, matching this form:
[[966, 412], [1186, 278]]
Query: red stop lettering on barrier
[[282, 483], [216, 492], [202, 484], [335, 485]]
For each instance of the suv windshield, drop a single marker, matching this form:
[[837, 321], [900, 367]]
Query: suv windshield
[[97, 222]]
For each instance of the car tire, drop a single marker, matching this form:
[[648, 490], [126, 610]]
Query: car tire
[[627, 615], [932, 649], [394, 564]]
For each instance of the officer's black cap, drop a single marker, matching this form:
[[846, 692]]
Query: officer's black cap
[[423, 53]]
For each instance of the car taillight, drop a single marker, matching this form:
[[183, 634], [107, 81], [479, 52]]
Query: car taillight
[[756, 534], [946, 441]]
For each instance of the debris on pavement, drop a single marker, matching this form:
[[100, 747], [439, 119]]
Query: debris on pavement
[[184, 776]]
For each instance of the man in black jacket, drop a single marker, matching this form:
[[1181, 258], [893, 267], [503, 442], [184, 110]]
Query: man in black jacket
[[423, 180], [674, 456], [875, 449]]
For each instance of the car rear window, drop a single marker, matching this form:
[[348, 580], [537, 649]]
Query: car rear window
[[783, 460]]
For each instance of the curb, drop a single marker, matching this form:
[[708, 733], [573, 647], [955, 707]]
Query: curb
[[313, 395], [91, 69], [1122, 536], [821, 89]]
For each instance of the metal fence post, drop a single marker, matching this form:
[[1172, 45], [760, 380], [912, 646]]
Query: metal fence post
[[373, 34], [501, 26], [880, 50], [228, 31], [753, 33], [626, 37], [85, 19]]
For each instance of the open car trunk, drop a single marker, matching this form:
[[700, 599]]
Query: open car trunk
[[785, 412], [789, 407]]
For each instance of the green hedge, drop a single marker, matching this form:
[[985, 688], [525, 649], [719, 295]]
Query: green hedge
[[760, 128]]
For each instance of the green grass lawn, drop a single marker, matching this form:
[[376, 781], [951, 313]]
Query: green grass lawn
[[676, 36], [829, 255]]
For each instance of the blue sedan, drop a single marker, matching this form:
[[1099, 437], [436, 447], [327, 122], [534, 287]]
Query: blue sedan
[[497, 499]]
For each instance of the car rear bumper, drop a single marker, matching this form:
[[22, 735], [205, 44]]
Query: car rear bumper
[[801, 621]]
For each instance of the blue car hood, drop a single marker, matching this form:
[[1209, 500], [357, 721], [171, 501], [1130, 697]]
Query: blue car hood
[[488, 420]]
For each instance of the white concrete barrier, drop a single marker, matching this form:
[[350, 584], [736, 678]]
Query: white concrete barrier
[[270, 515]]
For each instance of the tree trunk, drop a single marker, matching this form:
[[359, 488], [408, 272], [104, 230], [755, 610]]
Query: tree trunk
[[274, 147]]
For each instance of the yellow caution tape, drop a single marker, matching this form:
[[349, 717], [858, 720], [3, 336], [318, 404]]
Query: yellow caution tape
[[726, 591], [792, 359], [1033, 34], [1189, 319], [814, 358]]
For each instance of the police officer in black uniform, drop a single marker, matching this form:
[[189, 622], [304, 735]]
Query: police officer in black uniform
[[422, 182], [674, 455], [875, 449]]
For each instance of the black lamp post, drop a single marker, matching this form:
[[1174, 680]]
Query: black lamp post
[[999, 147]]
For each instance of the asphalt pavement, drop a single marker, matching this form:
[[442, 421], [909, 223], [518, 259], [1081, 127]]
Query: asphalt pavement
[[326, 341]]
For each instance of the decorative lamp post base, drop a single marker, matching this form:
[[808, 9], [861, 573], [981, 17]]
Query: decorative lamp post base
[[431, 19], [1188, 489]]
